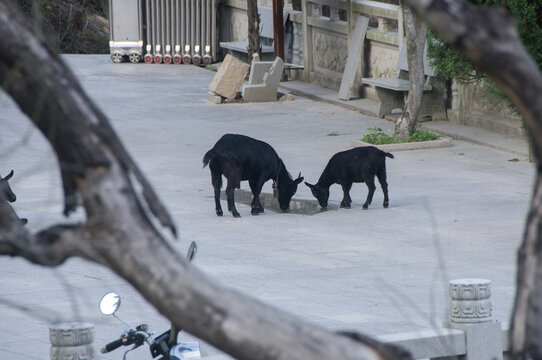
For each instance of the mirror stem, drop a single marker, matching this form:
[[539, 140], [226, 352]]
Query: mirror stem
[[125, 323]]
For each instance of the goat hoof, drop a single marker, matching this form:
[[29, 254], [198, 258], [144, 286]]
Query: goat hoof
[[257, 210], [219, 212], [386, 205], [345, 205], [236, 214], [365, 207]]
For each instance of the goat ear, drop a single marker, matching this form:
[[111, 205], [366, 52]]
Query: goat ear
[[8, 176], [299, 179], [309, 185]]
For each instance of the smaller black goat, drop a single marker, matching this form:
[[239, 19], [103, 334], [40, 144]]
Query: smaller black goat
[[6, 189], [360, 164], [238, 158]]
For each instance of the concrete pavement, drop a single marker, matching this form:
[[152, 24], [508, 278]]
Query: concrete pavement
[[446, 128], [454, 212]]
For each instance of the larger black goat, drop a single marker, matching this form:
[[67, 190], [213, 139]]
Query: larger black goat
[[360, 164], [238, 158]]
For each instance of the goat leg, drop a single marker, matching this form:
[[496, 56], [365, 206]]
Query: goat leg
[[216, 179], [230, 189], [384, 185], [371, 186], [346, 196], [256, 188]]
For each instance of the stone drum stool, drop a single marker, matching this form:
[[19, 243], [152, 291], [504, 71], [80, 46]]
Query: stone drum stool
[[470, 301], [470, 311]]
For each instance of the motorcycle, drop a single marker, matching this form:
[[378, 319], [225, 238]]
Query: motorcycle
[[164, 345]]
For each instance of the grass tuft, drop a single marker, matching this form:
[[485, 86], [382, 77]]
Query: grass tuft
[[377, 136]]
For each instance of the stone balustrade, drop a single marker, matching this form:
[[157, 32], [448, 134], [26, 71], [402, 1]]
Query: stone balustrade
[[320, 33]]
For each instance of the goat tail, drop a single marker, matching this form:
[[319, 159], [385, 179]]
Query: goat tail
[[390, 155], [208, 155]]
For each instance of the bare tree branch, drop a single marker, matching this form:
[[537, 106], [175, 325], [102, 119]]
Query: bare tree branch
[[50, 247]]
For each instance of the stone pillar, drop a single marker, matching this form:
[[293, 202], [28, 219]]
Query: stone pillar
[[470, 311], [72, 341], [455, 114], [298, 44], [316, 10], [333, 14], [383, 25]]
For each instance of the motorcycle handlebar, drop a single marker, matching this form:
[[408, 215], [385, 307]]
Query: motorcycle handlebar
[[112, 346], [130, 337]]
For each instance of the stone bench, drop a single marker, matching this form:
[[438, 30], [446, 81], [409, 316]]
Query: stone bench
[[263, 81], [392, 92], [240, 47]]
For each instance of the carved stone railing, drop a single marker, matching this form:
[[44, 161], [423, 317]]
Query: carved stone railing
[[339, 16], [321, 31], [327, 28]]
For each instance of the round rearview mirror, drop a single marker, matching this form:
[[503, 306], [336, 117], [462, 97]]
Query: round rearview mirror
[[110, 303]]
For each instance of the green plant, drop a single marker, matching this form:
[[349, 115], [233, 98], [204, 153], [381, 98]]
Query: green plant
[[420, 134], [333, 133], [449, 63], [377, 136], [528, 17]]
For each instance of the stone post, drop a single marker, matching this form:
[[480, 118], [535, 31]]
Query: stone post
[[470, 311], [298, 44], [383, 25], [316, 10], [333, 14], [72, 341]]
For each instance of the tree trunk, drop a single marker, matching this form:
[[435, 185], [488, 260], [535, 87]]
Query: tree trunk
[[527, 318], [253, 29], [415, 33]]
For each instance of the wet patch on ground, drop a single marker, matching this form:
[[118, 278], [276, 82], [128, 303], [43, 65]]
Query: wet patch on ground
[[297, 206]]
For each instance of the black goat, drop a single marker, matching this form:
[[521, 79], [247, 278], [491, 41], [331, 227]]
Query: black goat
[[360, 164], [6, 189], [238, 158]]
